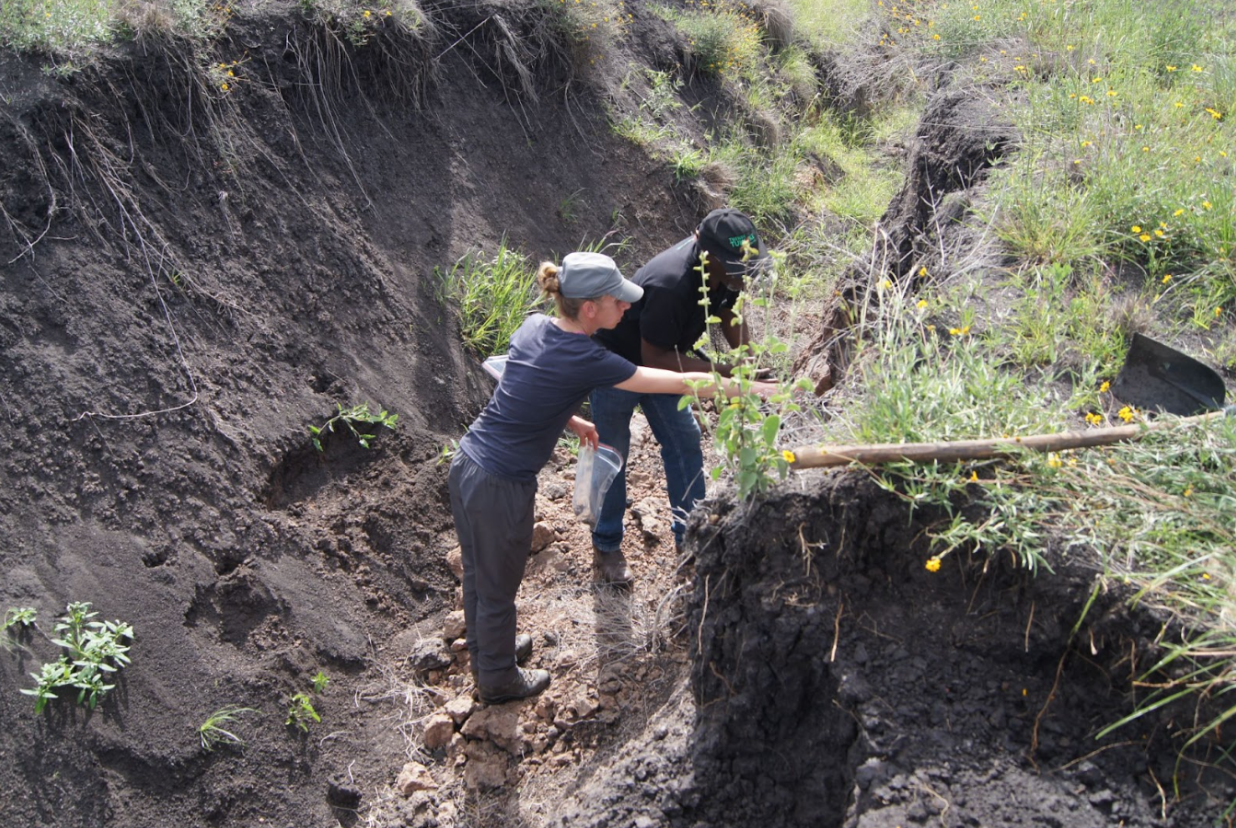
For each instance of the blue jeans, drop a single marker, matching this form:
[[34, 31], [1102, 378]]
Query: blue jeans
[[679, 436]]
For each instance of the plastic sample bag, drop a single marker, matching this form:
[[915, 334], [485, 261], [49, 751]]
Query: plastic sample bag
[[594, 473]]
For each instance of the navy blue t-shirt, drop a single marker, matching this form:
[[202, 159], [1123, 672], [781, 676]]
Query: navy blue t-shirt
[[669, 315], [548, 374]]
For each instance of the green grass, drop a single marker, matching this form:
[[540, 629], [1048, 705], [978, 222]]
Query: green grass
[[490, 295], [65, 26]]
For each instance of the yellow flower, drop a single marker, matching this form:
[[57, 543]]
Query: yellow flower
[[1136, 228], [933, 564], [974, 477], [789, 456], [1105, 387], [223, 87], [1171, 68], [886, 284], [1094, 418], [922, 303], [1127, 414], [922, 271], [1167, 278], [1145, 237], [367, 13], [1196, 68], [1218, 311], [1054, 462], [1178, 212], [1188, 491], [1206, 576], [1206, 204]]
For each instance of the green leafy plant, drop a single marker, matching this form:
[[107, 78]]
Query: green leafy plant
[[320, 681], [301, 711], [448, 451], [96, 651], [355, 419], [747, 426], [24, 616], [211, 732]]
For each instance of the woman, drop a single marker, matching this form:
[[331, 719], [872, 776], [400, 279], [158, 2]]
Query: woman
[[552, 367]]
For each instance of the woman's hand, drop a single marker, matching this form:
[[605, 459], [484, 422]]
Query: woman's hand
[[585, 431]]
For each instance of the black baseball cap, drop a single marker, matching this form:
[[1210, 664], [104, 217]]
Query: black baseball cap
[[724, 233]]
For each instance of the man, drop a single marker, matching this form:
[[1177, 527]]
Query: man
[[660, 331]]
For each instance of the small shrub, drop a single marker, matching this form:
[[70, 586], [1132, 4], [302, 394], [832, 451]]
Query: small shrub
[[301, 712], [96, 651], [15, 616], [351, 418]]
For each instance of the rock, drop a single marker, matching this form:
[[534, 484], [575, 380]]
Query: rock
[[460, 708], [439, 729], [429, 654], [545, 707], [454, 626], [554, 491], [542, 536], [454, 559], [486, 768], [552, 559], [498, 724], [414, 777], [342, 793]]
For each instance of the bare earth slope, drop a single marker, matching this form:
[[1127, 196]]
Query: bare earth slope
[[190, 277]]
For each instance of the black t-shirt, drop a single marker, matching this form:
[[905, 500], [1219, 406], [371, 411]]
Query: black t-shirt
[[669, 315]]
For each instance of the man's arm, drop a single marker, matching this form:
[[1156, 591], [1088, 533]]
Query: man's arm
[[735, 334], [670, 359]]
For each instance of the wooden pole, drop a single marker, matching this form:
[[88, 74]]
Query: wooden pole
[[809, 457]]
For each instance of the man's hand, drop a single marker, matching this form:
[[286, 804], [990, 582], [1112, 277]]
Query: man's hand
[[763, 374], [585, 431], [765, 389]]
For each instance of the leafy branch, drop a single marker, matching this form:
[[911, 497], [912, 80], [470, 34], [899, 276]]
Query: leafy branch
[[357, 420]]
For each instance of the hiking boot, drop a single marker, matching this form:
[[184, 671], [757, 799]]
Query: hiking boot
[[611, 568], [526, 684], [523, 648]]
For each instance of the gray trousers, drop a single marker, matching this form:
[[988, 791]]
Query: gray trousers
[[493, 520]]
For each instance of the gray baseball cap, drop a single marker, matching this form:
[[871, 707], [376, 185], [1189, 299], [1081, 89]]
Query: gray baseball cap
[[593, 275]]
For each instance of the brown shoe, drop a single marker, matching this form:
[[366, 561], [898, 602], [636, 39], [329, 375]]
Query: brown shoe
[[526, 684], [611, 568]]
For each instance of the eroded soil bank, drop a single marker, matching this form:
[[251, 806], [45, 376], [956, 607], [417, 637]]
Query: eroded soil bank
[[837, 682], [191, 279]]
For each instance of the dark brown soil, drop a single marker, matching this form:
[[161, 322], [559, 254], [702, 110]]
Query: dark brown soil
[[190, 278]]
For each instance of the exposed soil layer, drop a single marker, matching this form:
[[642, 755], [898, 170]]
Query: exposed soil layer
[[837, 682], [192, 276]]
